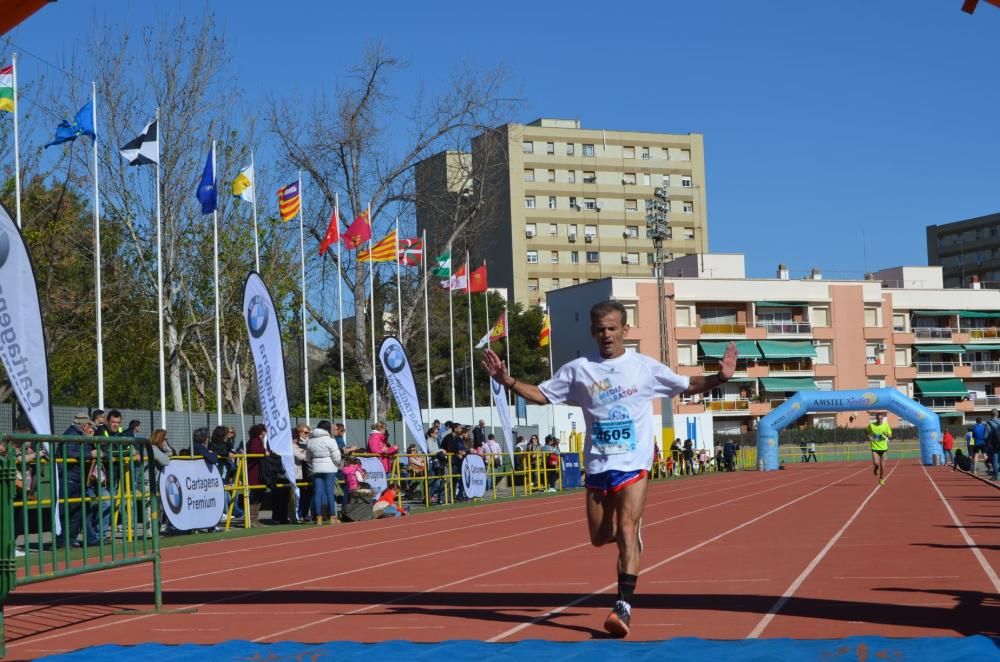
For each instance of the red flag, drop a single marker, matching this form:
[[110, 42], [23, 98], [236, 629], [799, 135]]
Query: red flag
[[477, 280], [332, 233], [359, 232]]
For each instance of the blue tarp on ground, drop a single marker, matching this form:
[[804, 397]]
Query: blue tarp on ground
[[858, 649]]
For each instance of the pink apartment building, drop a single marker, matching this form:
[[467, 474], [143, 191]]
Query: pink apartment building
[[898, 328]]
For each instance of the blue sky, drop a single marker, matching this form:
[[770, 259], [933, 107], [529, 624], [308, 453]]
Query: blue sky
[[824, 122]]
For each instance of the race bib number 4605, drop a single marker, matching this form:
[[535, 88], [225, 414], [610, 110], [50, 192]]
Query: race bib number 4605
[[615, 434]]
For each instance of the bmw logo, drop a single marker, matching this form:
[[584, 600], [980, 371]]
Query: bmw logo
[[4, 248], [257, 316], [175, 495], [394, 358]]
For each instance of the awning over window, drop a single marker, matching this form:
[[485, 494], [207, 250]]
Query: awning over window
[[785, 384], [780, 304], [950, 414], [943, 388], [937, 313], [943, 348], [787, 349], [978, 315], [715, 349], [985, 347]]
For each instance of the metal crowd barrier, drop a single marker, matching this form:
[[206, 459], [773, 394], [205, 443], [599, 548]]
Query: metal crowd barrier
[[55, 488]]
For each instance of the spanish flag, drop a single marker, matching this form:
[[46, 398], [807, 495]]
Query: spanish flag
[[289, 201], [383, 251], [498, 332], [543, 337]]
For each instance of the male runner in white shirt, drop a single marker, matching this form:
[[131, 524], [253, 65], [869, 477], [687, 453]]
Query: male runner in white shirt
[[615, 389]]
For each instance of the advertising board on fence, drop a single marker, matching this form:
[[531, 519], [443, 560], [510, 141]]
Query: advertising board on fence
[[192, 494], [474, 476], [375, 473]]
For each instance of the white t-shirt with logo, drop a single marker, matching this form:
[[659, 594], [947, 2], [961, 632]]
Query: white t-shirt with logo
[[616, 396]]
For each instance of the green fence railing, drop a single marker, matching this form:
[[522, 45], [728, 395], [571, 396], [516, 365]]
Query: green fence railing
[[75, 504]]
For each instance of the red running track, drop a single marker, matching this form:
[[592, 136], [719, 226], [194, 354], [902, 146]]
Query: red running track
[[817, 551]]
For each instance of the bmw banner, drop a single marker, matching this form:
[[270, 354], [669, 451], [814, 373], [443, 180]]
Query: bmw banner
[[500, 402], [375, 474], [22, 341], [269, 365], [192, 494], [396, 367], [474, 476]]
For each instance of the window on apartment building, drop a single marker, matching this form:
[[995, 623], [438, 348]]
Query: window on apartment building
[[551, 175], [574, 257], [687, 233], [666, 153], [899, 322], [650, 258], [555, 284], [593, 257], [571, 177], [553, 229], [529, 202], [588, 149], [572, 202], [824, 353], [683, 316], [554, 257], [645, 179], [589, 177], [552, 202], [529, 230], [902, 357], [685, 155], [532, 257], [632, 258], [532, 284], [590, 204], [824, 384], [529, 175], [528, 147], [872, 353], [576, 281], [871, 316], [628, 178], [630, 313], [666, 180], [590, 230], [550, 148], [631, 205], [876, 383], [825, 422], [819, 316], [644, 153], [632, 231], [628, 152], [685, 181], [570, 149], [571, 230], [687, 355], [688, 207]]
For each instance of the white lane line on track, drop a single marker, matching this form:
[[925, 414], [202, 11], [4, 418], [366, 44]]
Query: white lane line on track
[[903, 577], [794, 586], [706, 581], [973, 547], [114, 623], [693, 548]]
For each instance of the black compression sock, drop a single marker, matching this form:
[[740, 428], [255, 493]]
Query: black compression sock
[[626, 586]]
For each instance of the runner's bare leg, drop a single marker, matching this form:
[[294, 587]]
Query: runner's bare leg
[[629, 505], [601, 518]]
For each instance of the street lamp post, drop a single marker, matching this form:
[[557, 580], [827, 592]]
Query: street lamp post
[[657, 209]]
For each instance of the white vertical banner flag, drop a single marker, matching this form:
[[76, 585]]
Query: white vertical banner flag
[[22, 341], [503, 408], [398, 373], [264, 335]]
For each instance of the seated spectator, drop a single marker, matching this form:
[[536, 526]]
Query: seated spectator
[[386, 504], [416, 470], [962, 461]]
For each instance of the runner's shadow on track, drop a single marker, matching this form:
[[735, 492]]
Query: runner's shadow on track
[[938, 545], [500, 617], [51, 618]]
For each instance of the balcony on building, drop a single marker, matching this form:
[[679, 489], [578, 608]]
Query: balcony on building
[[723, 319], [733, 397], [983, 359], [782, 318], [937, 359], [983, 403], [787, 357], [776, 390], [981, 326], [711, 352], [934, 325], [942, 395]]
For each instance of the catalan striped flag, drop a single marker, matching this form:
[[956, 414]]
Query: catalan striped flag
[[289, 201], [543, 337], [383, 251]]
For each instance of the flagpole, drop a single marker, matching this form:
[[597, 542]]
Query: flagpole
[[305, 331], [489, 332], [451, 328], [159, 279], [399, 309], [253, 189], [472, 364], [427, 324], [97, 252], [371, 286], [17, 144], [218, 332], [340, 316], [239, 391]]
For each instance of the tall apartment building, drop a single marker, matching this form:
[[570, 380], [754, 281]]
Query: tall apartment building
[[565, 205], [900, 329], [967, 251]]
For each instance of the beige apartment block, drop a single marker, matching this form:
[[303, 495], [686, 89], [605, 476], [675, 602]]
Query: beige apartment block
[[900, 328], [561, 205]]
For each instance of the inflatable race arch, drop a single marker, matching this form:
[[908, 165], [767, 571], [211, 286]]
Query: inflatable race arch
[[888, 399]]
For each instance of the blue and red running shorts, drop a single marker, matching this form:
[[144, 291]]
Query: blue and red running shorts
[[614, 481]]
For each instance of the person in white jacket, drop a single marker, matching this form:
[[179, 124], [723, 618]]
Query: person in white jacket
[[324, 462]]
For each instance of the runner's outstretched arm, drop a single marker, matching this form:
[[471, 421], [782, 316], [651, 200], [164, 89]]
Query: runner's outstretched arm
[[498, 371], [701, 383]]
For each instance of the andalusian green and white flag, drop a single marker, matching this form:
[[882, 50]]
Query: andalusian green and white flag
[[7, 89], [442, 266]]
